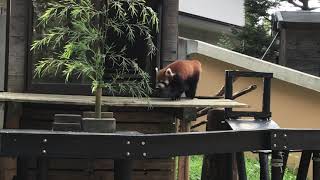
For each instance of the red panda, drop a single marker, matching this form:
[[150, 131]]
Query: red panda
[[178, 77]]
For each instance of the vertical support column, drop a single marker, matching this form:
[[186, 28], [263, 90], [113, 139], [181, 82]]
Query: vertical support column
[[2, 108], [16, 63], [241, 166], [22, 170], [266, 95], [304, 165], [285, 161], [183, 162], [185, 116], [218, 166], [264, 168], [276, 165], [169, 44], [42, 167], [316, 165], [3, 41], [18, 44]]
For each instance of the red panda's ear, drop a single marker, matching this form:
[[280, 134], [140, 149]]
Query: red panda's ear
[[169, 72]]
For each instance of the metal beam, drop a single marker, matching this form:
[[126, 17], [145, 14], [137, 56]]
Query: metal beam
[[145, 146], [128, 146]]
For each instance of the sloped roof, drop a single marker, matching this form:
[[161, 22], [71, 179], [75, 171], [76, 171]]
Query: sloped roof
[[298, 16], [279, 72]]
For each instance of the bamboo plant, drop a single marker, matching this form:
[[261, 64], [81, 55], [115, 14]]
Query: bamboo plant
[[80, 43]]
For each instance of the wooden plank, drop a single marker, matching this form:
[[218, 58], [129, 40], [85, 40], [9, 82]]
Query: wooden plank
[[118, 101], [104, 164], [144, 116], [147, 128], [104, 175]]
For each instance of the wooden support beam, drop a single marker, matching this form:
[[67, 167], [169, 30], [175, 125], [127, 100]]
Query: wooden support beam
[[183, 162]]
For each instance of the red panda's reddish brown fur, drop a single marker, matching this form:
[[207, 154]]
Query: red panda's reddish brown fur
[[180, 76], [184, 68]]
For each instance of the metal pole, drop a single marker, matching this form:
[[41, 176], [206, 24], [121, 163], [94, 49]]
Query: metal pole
[[316, 165], [304, 165], [241, 166], [264, 168], [285, 161], [276, 165], [265, 53]]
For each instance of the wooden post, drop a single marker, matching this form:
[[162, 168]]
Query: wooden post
[[183, 162], [185, 116], [17, 53], [169, 45], [218, 166], [3, 41]]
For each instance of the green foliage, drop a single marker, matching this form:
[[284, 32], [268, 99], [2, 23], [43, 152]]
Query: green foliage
[[225, 41], [195, 167], [252, 167], [80, 37], [255, 37]]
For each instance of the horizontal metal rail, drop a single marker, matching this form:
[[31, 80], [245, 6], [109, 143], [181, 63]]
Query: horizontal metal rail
[[145, 146]]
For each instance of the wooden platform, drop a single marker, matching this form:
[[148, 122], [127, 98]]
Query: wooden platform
[[118, 101], [145, 115]]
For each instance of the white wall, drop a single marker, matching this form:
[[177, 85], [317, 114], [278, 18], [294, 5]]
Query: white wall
[[229, 11]]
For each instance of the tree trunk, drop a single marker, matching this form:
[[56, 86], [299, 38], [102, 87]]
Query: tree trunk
[[305, 4], [98, 102]]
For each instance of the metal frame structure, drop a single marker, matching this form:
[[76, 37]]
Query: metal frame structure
[[123, 147], [265, 113], [127, 146]]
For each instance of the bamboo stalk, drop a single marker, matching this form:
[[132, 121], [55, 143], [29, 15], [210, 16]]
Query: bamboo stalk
[[98, 102]]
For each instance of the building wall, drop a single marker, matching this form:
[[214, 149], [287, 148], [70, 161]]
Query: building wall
[[202, 35], [300, 49], [229, 11]]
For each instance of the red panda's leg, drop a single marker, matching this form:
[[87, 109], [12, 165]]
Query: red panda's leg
[[193, 83], [177, 86]]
